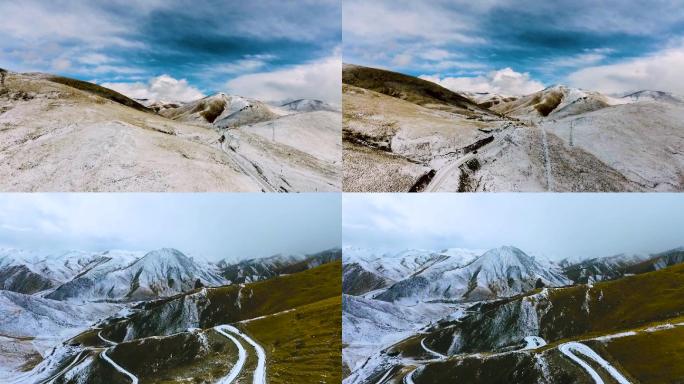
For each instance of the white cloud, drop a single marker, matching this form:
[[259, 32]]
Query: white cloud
[[660, 71], [379, 22], [61, 64], [163, 87], [504, 82], [249, 63], [402, 60], [316, 80], [583, 59], [94, 59]]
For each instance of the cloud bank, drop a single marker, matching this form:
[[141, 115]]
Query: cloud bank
[[505, 82], [316, 80], [162, 88]]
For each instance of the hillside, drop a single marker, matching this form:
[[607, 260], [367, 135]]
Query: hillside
[[68, 135], [392, 144], [409, 88]]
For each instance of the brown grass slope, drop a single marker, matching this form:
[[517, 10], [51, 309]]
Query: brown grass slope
[[98, 90], [409, 88]]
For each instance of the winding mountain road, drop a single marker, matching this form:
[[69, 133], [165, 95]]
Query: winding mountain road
[[445, 172], [430, 351], [99, 334], [569, 349], [76, 360], [408, 379], [259, 374], [242, 357], [134, 379]]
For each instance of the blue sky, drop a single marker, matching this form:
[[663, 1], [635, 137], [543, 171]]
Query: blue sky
[[515, 46], [214, 226], [555, 225], [211, 44]]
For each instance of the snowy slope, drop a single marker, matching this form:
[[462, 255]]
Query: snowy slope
[[368, 325], [308, 105], [600, 268], [315, 133], [57, 267], [224, 111], [653, 96], [158, 273], [554, 102], [251, 270], [500, 272], [396, 266]]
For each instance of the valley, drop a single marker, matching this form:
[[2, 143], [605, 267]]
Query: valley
[[402, 133], [601, 320], [62, 134]]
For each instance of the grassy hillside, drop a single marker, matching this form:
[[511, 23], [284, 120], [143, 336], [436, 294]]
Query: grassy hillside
[[562, 314], [97, 90], [407, 88], [655, 357], [303, 346], [616, 305]]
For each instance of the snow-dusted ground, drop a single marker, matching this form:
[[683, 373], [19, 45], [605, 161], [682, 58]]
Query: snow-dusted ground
[[534, 342], [369, 325], [57, 138]]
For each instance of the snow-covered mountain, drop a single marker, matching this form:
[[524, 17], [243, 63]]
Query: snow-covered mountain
[[369, 324], [159, 105], [488, 99], [159, 273], [600, 268], [224, 111], [500, 272], [396, 266], [657, 96], [555, 102], [250, 270], [31, 316], [308, 105]]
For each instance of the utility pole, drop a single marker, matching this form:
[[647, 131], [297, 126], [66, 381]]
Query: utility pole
[[572, 126]]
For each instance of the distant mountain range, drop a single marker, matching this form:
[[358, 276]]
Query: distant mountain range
[[129, 276], [469, 316]]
